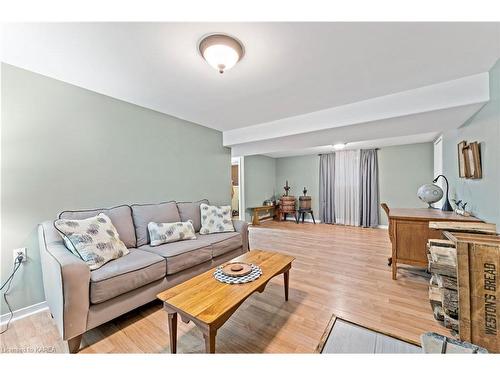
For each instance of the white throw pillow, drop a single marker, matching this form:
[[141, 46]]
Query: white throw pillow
[[215, 219], [160, 233], [95, 239]]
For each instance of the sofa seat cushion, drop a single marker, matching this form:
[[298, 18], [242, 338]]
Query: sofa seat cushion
[[222, 242], [124, 274], [121, 217], [183, 254]]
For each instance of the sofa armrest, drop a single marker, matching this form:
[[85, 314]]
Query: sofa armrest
[[242, 227], [66, 282]]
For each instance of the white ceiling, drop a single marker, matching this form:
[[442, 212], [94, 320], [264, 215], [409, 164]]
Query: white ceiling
[[291, 72], [288, 68]]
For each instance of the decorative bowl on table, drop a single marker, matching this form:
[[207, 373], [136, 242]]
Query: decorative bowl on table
[[236, 269], [237, 273]]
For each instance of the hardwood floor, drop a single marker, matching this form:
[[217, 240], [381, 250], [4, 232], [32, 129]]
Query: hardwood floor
[[338, 270]]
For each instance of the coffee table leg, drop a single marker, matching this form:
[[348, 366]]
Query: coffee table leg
[[286, 277], [172, 327], [209, 341]]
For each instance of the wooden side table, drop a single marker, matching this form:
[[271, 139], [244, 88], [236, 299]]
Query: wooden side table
[[303, 212], [256, 210]]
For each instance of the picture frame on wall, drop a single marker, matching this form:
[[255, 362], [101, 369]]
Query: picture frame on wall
[[475, 160], [469, 166], [462, 172], [469, 160]]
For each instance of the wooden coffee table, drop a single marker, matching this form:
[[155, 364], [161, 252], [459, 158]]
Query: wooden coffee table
[[209, 303]]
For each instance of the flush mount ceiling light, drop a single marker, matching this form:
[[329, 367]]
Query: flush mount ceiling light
[[339, 146], [221, 51]]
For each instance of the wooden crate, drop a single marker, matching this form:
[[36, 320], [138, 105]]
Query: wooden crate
[[478, 277], [469, 227], [443, 295]]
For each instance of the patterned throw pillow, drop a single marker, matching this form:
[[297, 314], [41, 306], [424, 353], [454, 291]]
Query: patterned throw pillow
[[215, 219], [160, 233], [95, 239]]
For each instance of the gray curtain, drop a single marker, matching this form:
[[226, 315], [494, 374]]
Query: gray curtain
[[326, 188], [369, 188]]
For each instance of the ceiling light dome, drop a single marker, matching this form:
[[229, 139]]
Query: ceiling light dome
[[339, 146], [221, 51]]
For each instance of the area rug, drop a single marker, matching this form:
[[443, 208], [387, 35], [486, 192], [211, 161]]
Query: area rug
[[342, 336]]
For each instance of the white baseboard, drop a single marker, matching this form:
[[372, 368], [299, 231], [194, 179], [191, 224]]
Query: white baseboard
[[307, 220], [289, 218], [383, 226], [24, 312]]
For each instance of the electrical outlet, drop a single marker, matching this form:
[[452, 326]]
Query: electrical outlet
[[20, 251]]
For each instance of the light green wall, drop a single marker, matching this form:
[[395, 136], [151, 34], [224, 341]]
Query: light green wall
[[402, 170], [482, 195], [300, 171], [64, 147], [260, 177]]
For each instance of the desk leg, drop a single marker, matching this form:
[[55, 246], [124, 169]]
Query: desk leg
[[394, 269], [172, 327], [286, 279]]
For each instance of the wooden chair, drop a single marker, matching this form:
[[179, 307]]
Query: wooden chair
[[386, 209]]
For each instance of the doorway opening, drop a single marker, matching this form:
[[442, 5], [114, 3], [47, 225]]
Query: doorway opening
[[236, 187]]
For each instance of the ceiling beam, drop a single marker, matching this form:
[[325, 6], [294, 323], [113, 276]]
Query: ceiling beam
[[460, 92], [421, 123]]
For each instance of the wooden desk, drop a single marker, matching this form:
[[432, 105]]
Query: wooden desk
[[256, 210], [409, 232]]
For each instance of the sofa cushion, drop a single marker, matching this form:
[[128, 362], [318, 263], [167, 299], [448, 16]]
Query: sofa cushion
[[222, 242], [182, 255], [215, 219], [191, 211], [121, 217], [143, 214], [127, 273], [95, 239], [160, 233]]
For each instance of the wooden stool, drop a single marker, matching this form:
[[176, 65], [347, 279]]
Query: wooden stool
[[303, 212], [283, 215]]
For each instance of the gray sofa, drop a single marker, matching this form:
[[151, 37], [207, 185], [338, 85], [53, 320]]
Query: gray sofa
[[80, 299]]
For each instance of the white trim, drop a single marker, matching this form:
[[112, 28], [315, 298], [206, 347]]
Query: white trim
[[439, 138], [383, 226], [438, 166], [24, 312], [241, 182]]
